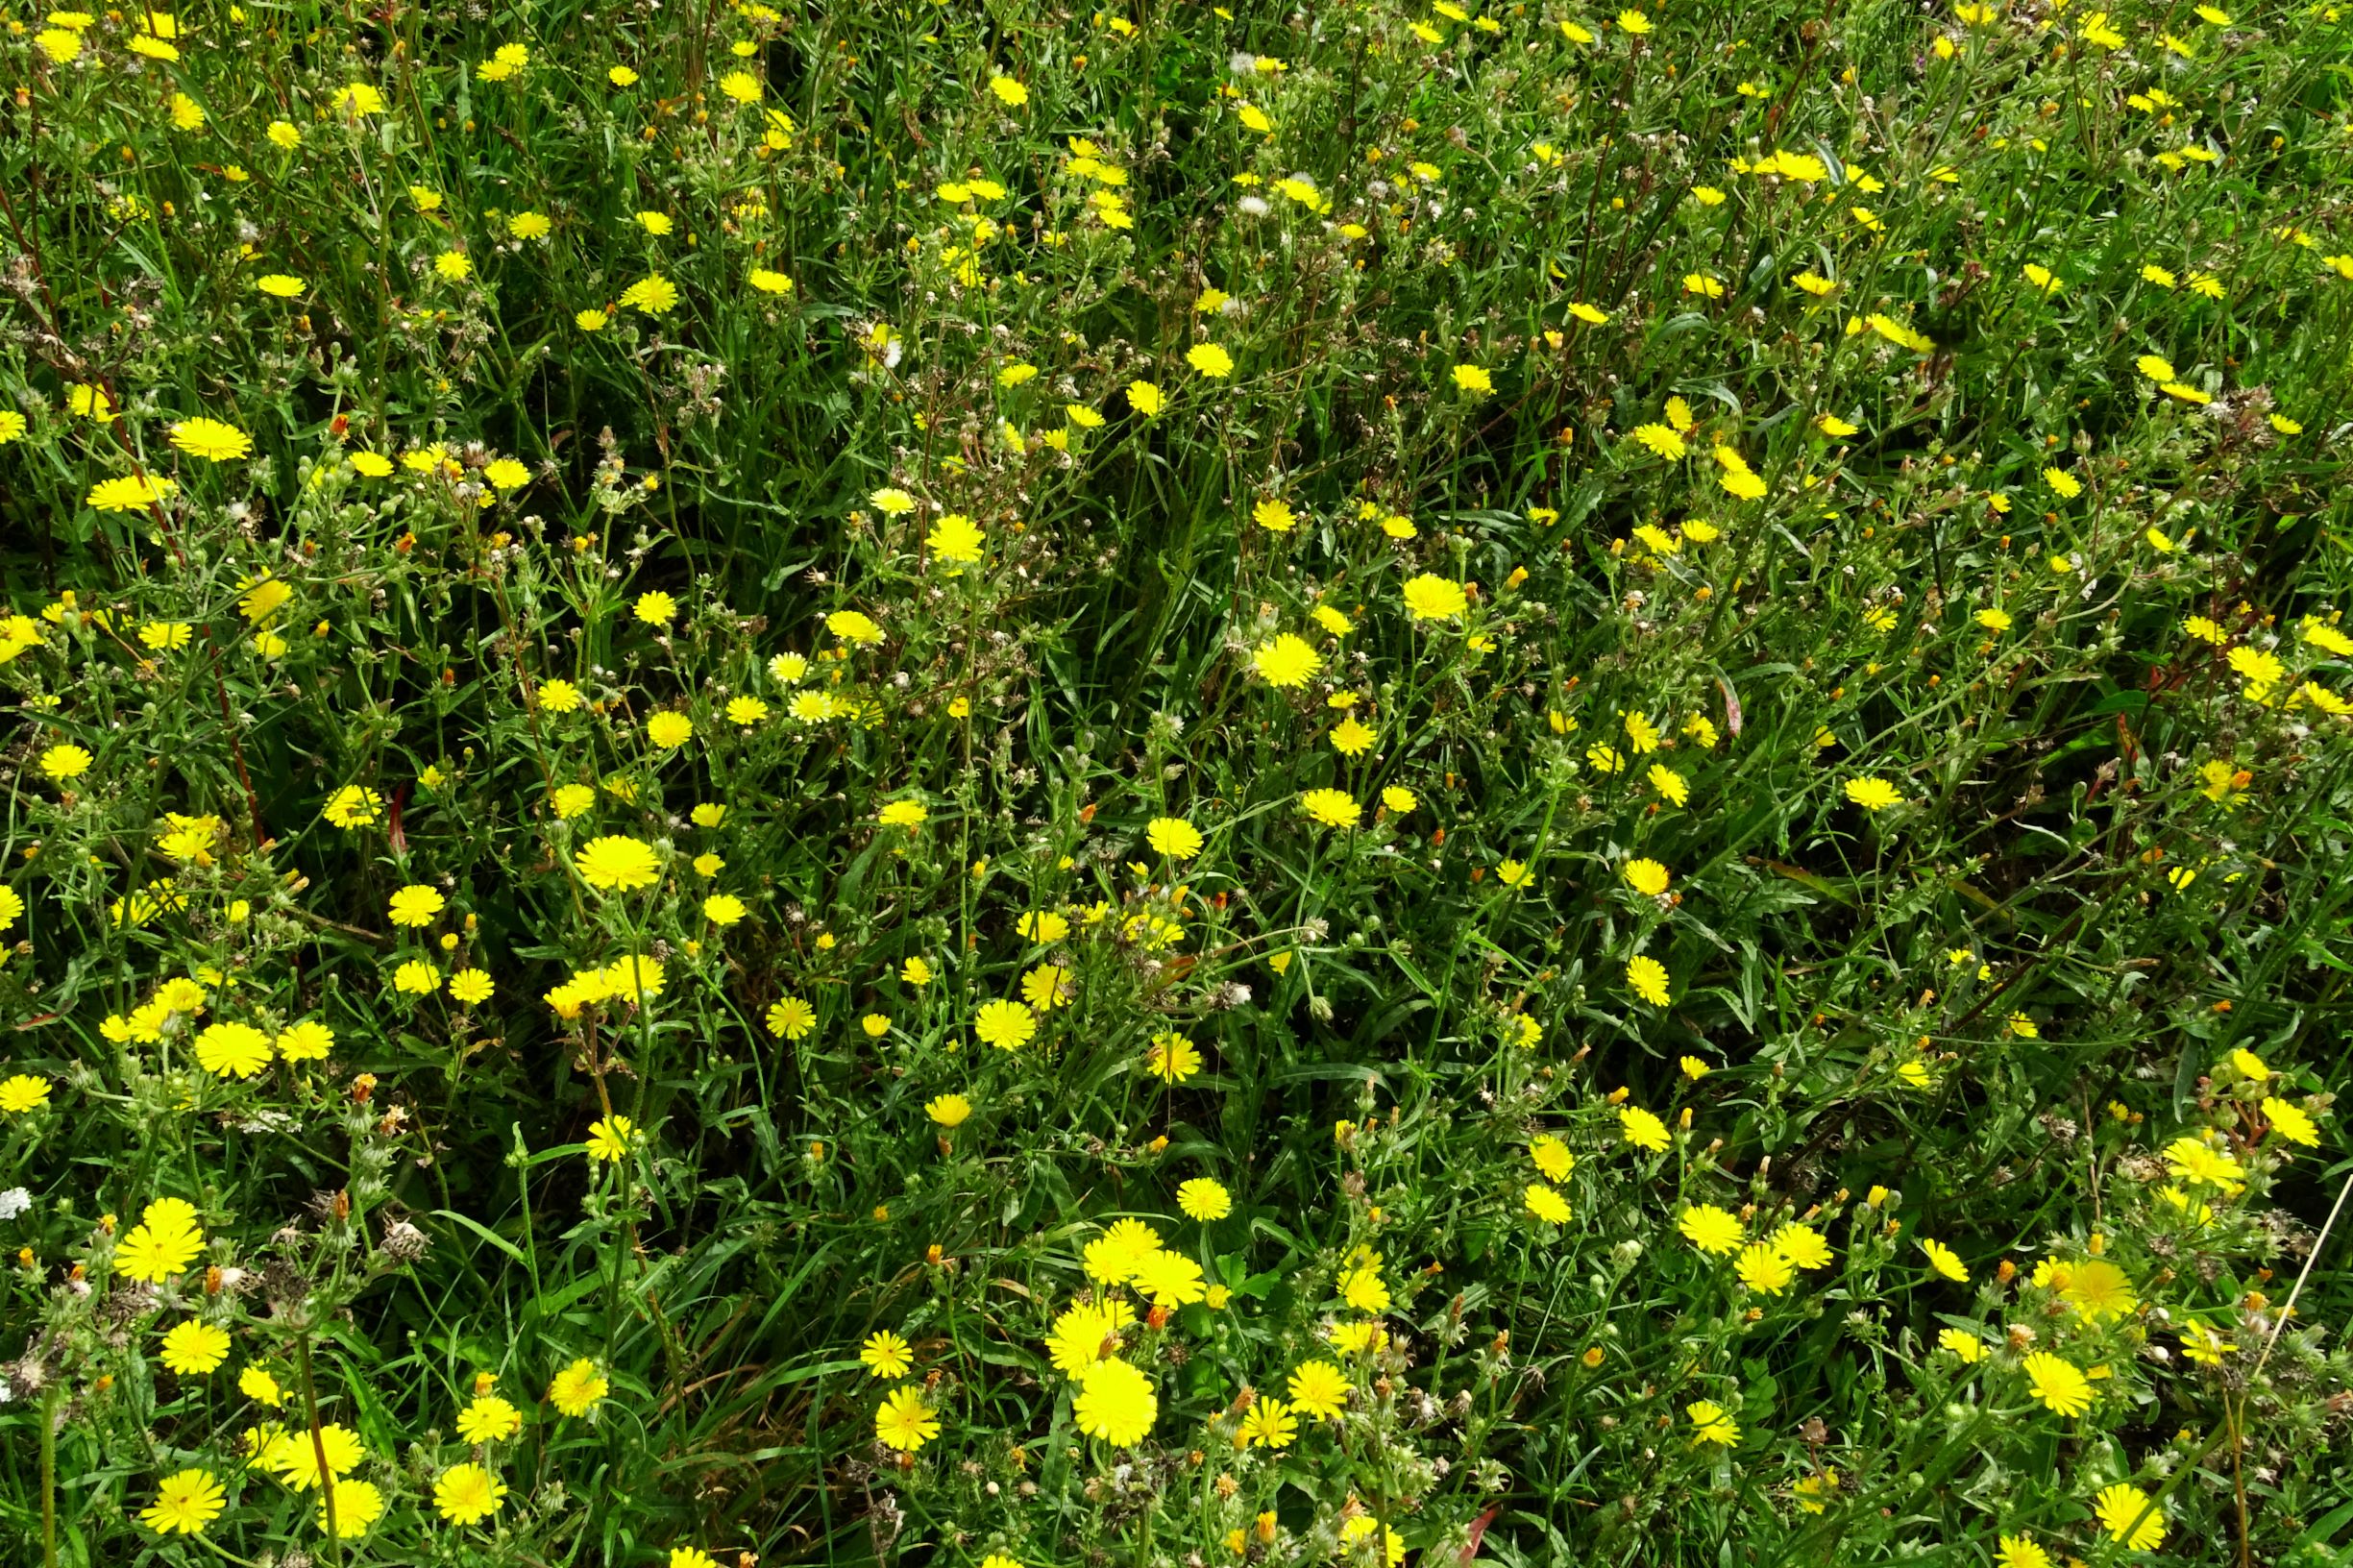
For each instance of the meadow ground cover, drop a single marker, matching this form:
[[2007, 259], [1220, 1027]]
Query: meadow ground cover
[[1026, 786]]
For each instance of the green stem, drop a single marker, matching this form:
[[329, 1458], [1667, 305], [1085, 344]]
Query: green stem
[[318, 1447], [49, 1479]]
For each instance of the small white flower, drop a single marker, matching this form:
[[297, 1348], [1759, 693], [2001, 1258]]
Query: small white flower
[[13, 1202]]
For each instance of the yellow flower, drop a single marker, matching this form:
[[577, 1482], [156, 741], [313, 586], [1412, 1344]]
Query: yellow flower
[[211, 440], [885, 1355], [2058, 1383], [2131, 1516], [184, 1503], [1204, 1199], [1711, 1422], [904, 1422], [1811, 1491], [955, 538], [193, 1347], [1710, 1229], [1896, 332], [2194, 1160], [1042, 925], [163, 1243], [1662, 441], [617, 864], [1269, 1423], [652, 294], [1945, 1261], [1007, 1025], [233, 1049], [854, 627], [1872, 793], [609, 1140], [2020, 1551], [1642, 1129], [1962, 1343], [1320, 1391], [1331, 808], [1362, 1288], [1647, 978], [1286, 661], [255, 1384], [1802, 1245], [1173, 1058], [2255, 665], [1174, 837], [1114, 1402], [1167, 1279], [2204, 1345], [949, 1109], [2097, 31], [1431, 597], [65, 762], [129, 493], [1351, 739], [489, 1419], [1763, 1269], [467, 1494], [579, 1388], [295, 1458], [358, 1505], [1646, 876], [2290, 1122], [1209, 361], [2098, 1289]]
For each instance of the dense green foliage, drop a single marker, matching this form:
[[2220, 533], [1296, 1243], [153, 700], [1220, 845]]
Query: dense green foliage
[[1638, 720]]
